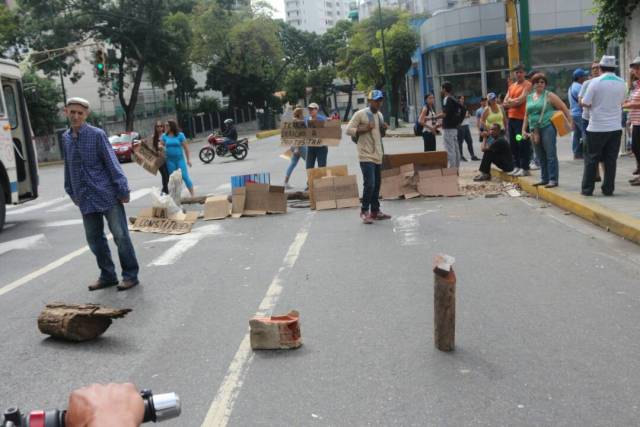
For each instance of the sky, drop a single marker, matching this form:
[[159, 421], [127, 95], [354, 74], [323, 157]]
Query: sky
[[278, 5]]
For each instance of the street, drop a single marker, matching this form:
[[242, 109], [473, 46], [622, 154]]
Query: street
[[547, 321]]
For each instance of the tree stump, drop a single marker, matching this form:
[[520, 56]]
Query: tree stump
[[77, 322], [444, 301]]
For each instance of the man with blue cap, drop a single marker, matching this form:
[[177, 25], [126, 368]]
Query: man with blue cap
[[579, 76], [367, 127]]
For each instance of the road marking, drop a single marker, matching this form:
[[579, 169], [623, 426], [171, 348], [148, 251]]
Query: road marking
[[63, 223], [30, 242], [224, 187], [220, 411], [37, 206], [184, 242], [138, 194], [44, 270], [407, 226]]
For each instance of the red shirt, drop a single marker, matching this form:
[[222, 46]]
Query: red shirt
[[515, 91], [634, 114]]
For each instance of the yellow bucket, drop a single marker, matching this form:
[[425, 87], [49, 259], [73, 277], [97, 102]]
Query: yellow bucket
[[560, 123]]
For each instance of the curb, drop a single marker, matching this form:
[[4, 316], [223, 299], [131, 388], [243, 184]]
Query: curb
[[618, 223], [267, 133]]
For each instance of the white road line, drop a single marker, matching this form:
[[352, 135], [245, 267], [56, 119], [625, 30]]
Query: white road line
[[63, 223], [224, 187], [37, 206], [407, 228], [138, 194], [23, 243], [184, 242], [220, 411], [62, 208]]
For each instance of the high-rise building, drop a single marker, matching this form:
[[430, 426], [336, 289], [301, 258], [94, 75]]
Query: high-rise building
[[369, 7], [315, 16]]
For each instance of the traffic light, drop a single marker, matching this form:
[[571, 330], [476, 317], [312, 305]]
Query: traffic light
[[101, 62]]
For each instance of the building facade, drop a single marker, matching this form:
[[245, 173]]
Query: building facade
[[467, 47], [315, 16]]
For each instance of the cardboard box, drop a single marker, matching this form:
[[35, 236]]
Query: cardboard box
[[258, 199], [217, 207], [409, 181], [399, 182], [438, 182], [316, 173], [146, 157], [336, 192], [175, 224], [314, 133], [422, 160]]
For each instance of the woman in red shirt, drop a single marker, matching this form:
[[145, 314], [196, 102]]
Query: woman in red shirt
[[633, 104]]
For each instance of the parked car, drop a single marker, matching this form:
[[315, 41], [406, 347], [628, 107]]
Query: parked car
[[123, 145]]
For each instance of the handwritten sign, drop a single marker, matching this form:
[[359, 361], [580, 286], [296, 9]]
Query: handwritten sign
[[148, 158], [314, 134], [161, 225]]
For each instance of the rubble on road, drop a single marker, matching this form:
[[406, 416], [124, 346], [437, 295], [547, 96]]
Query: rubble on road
[[73, 322], [487, 189]]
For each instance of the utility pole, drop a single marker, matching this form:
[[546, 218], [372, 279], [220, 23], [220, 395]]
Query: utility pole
[[387, 82], [525, 36], [511, 30]]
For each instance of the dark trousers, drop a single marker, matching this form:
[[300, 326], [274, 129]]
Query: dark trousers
[[164, 174], [429, 140], [521, 150], [464, 134], [601, 147], [371, 188], [500, 155], [94, 230], [635, 144], [319, 153]]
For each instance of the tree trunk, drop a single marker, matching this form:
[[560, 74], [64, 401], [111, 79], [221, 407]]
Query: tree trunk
[[349, 101], [444, 301], [77, 322]]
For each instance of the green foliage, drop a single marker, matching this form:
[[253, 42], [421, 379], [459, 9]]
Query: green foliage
[[43, 96], [321, 83], [612, 22], [9, 28], [208, 105], [295, 85]]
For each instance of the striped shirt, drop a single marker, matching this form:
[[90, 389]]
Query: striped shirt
[[634, 114], [93, 177]]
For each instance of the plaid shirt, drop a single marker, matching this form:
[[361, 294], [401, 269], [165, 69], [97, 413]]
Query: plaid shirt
[[93, 177]]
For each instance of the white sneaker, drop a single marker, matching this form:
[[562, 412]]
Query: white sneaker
[[534, 167], [519, 172], [514, 172]]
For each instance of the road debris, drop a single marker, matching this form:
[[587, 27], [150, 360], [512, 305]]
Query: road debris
[[78, 323], [276, 332]]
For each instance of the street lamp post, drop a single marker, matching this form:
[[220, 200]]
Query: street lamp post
[[387, 83]]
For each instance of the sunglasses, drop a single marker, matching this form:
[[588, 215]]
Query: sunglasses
[[541, 82]]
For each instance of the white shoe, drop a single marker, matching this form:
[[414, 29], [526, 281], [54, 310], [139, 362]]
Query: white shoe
[[534, 167], [514, 172], [519, 172]]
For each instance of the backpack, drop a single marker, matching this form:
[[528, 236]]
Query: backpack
[[460, 112], [417, 128]]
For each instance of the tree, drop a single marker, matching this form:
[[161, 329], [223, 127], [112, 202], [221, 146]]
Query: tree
[[612, 22], [43, 96], [9, 29], [321, 83], [295, 85], [134, 28]]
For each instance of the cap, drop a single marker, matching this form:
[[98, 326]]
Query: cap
[[376, 95], [314, 106], [608, 61], [491, 96], [635, 61], [579, 73], [78, 101]]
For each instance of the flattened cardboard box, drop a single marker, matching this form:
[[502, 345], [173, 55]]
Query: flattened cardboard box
[[315, 173], [146, 157], [422, 160], [438, 182], [314, 133], [398, 182], [176, 224], [336, 192], [216, 207], [258, 199]]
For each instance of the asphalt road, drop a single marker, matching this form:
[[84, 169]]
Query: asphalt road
[[547, 314]]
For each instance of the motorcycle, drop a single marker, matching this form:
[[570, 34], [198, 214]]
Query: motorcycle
[[157, 408], [238, 150]]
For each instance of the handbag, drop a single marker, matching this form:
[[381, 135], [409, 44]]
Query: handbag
[[535, 135]]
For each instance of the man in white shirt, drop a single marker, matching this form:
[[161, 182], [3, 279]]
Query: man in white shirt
[[603, 98]]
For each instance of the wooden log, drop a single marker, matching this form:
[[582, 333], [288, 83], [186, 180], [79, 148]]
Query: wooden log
[[77, 322], [298, 195], [198, 200], [444, 301]]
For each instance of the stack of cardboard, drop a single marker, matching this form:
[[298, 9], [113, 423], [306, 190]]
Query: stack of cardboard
[[332, 188], [412, 175], [258, 199], [216, 207], [156, 220]]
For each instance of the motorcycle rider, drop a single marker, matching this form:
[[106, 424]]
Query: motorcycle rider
[[230, 133]]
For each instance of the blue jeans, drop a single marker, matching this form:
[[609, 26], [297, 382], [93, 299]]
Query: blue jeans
[[578, 133], [294, 160], [371, 190], [548, 154], [319, 153], [94, 230]]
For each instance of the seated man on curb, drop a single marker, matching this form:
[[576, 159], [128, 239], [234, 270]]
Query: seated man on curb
[[496, 150]]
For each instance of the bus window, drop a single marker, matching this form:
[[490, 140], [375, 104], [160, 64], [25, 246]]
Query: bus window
[[1, 106], [12, 108]]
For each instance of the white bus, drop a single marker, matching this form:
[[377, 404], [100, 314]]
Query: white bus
[[18, 162]]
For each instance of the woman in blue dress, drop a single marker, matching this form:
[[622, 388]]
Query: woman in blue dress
[[175, 143]]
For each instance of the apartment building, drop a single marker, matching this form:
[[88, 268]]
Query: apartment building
[[315, 16]]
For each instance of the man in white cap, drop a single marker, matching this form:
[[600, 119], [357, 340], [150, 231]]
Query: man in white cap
[[316, 153], [96, 183], [604, 98]]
